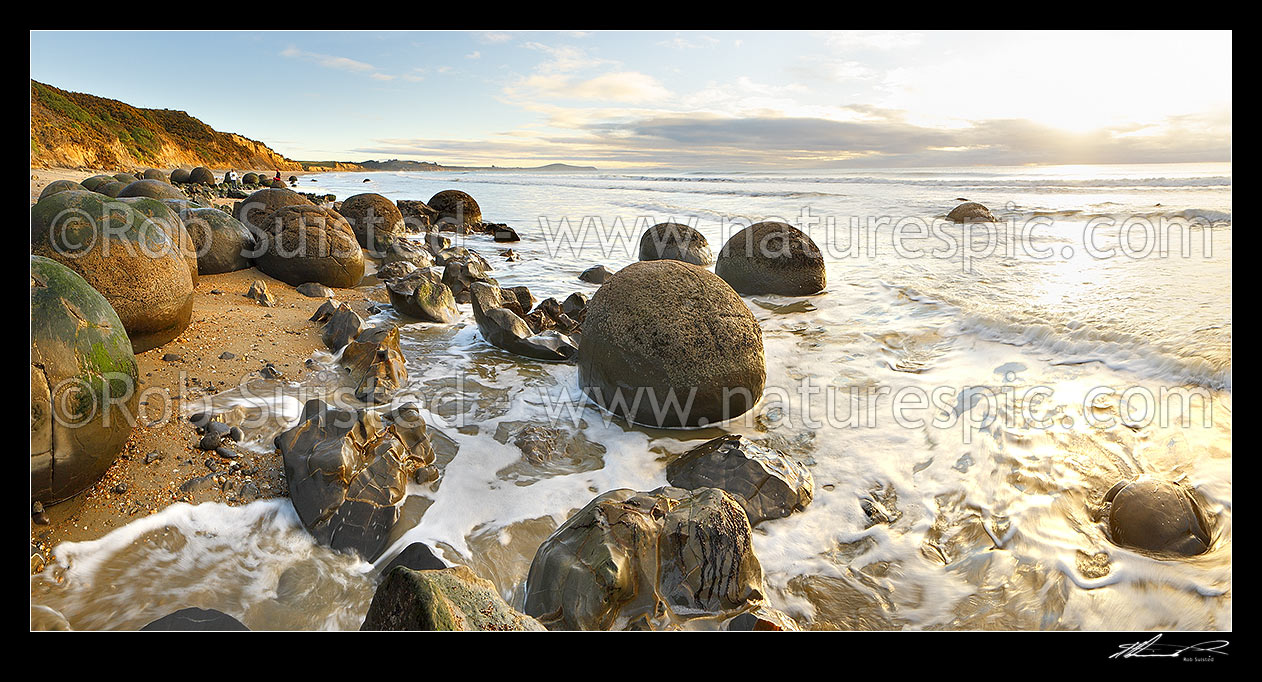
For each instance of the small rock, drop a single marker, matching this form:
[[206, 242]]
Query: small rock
[[259, 292], [315, 290], [596, 275], [227, 355], [153, 457], [170, 357], [119, 489]]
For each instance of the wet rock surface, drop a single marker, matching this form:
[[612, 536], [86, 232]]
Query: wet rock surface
[[596, 275], [971, 212], [347, 471], [341, 324], [446, 599], [766, 483], [417, 215], [503, 328], [84, 382], [646, 560], [772, 258], [666, 343], [195, 619], [375, 364], [1158, 516], [421, 295]]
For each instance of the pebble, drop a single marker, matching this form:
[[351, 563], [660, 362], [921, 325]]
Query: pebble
[[153, 457], [171, 357], [210, 441], [226, 355], [226, 453], [236, 434], [119, 489]]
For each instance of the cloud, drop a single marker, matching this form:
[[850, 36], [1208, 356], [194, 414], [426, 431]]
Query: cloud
[[622, 86], [493, 37], [679, 42], [338, 63], [473, 55]]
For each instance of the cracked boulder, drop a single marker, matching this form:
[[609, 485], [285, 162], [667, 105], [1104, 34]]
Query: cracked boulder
[[376, 365], [459, 275], [1158, 516], [347, 471], [374, 219], [647, 560], [125, 255], [254, 209], [83, 382], [421, 295], [448, 599], [766, 483], [310, 244], [503, 328]]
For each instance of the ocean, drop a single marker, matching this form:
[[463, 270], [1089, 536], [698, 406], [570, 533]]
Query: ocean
[[980, 385]]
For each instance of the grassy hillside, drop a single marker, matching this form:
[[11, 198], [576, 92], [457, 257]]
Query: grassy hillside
[[77, 130]]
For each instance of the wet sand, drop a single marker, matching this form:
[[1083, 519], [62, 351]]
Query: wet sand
[[223, 321]]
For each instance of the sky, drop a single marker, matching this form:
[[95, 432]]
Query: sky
[[687, 99]]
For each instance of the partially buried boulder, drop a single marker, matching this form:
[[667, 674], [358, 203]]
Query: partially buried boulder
[[443, 599], [503, 328], [772, 258], [163, 214], [596, 275], [310, 244], [111, 188], [195, 620], [155, 174], [421, 295], [154, 189], [766, 483], [666, 343], [223, 243], [179, 175], [201, 175], [455, 208], [1158, 516], [93, 182], [122, 253], [375, 220], [84, 382], [654, 560], [674, 241], [347, 471], [61, 186], [971, 212]]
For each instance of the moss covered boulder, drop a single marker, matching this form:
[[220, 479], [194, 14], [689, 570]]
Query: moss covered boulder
[[154, 189], [448, 599], [96, 181], [223, 243], [61, 186], [310, 244], [154, 174], [125, 255], [666, 343], [772, 258], [675, 241], [111, 188], [180, 175], [168, 218], [84, 389], [201, 176], [375, 220], [250, 178], [254, 210], [421, 294], [453, 207]]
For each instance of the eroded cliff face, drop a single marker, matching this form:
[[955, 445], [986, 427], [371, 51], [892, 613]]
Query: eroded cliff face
[[76, 130]]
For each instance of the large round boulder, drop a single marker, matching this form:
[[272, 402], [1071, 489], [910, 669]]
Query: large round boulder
[[201, 175], [126, 178], [971, 212], [1158, 516], [673, 241], [666, 343], [179, 175], [155, 174], [250, 178], [223, 243], [154, 189], [96, 181], [374, 218], [126, 255], [258, 206], [454, 207], [168, 218], [61, 186], [111, 188], [308, 243], [83, 382], [772, 258], [646, 560]]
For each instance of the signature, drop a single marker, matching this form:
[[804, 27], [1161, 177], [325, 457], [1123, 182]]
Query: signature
[[1154, 649]]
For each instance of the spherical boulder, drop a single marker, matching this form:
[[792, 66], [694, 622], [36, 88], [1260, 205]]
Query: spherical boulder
[[111, 188], [223, 243], [375, 219], [673, 241], [125, 255], [454, 207], [167, 217], [971, 212], [126, 178], [772, 258], [254, 210], [250, 178], [83, 382], [154, 189], [96, 181], [61, 186], [155, 174], [1158, 516], [310, 244], [179, 175], [666, 343], [201, 175]]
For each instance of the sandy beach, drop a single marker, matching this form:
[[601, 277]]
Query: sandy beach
[[224, 322]]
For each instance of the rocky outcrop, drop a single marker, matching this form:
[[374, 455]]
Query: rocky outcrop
[[375, 364], [446, 599], [1157, 516], [646, 560], [505, 329], [347, 472], [666, 343], [772, 258], [195, 620], [84, 382], [142, 272], [766, 483]]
